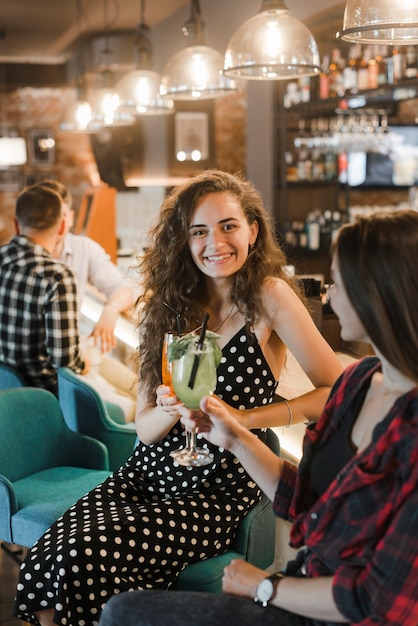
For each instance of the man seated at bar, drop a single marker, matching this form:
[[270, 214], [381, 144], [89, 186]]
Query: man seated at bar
[[38, 295]]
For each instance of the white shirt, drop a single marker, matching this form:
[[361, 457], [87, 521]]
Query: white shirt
[[92, 266]]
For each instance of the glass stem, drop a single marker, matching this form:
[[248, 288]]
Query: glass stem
[[192, 442], [188, 440]]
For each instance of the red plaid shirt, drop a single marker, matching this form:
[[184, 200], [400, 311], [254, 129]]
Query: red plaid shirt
[[363, 530]]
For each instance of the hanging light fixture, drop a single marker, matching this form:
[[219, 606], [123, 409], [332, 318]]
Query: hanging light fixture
[[105, 103], [197, 71], [140, 90], [78, 115], [272, 45], [104, 98], [380, 21]]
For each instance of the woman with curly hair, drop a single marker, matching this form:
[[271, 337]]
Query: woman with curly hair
[[211, 251]]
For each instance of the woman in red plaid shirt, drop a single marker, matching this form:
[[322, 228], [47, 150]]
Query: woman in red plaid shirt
[[353, 501]]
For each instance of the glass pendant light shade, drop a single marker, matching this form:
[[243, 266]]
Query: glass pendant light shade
[[380, 21], [197, 71], [105, 111], [272, 45], [139, 93]]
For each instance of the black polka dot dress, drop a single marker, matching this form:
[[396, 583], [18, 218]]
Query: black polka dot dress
[[151, 518]]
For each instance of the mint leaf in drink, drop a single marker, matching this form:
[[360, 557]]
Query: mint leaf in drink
[[180, 345]]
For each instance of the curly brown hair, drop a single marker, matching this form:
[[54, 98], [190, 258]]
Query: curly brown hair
[[169, 275]]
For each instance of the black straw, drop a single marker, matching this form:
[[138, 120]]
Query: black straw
[[178, 317], [200, 343]]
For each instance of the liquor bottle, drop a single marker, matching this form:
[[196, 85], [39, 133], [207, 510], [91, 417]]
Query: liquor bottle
[[372, 69], [318, 163], [351, 69], [397, 64], [382, 74], [411, 62], [336, 83], [324, 78], [313, 231], [363, 69]]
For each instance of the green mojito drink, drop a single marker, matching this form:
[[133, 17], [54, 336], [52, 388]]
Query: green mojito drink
[[193, 377], [205, 377]]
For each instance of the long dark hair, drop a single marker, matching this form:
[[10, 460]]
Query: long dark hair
[[377, 260], [168, 273]]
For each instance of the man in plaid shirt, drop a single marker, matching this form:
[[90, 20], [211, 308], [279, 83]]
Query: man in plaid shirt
[[38, 295]]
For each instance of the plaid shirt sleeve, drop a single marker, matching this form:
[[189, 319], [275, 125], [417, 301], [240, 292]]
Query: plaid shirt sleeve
[[61, 324]]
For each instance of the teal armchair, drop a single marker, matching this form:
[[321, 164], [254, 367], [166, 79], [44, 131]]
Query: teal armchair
[[44, 466], [254, 542], [85, 412]]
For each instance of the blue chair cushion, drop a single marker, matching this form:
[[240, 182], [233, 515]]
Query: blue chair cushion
[[36, 513]]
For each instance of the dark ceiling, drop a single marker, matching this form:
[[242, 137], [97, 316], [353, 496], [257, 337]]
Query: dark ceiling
[[46, 31]]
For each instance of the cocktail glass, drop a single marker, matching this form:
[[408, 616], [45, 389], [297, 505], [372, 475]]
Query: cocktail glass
[[193, 377]]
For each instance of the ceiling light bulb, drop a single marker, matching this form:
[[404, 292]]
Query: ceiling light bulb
[[77, 117]]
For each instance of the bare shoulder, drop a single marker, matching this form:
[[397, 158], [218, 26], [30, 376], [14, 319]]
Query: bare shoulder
[[278, 296]]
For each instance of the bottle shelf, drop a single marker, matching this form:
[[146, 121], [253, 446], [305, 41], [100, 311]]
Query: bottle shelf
[[382, 97]]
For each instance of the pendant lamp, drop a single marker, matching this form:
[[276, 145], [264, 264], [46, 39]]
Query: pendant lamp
[[105, 103], [272, 45], [380, 21], [197, 71], [140, 90], [78, 115]]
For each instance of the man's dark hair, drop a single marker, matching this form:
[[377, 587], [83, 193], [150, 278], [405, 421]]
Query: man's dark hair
[[38, 207]]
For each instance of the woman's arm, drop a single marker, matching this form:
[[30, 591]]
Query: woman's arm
[[310, 597], [153, 422], [288, 318], [221, 429]]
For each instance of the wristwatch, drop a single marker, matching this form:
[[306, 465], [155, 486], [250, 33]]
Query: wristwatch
[[266, 590]]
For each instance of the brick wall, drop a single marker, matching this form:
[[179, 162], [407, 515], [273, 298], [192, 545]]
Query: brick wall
[[75, 166]]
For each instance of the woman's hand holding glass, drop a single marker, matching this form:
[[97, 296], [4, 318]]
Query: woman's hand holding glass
[[166, 398], [214, 421]]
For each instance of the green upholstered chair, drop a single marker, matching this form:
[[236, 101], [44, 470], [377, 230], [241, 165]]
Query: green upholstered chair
[[254, 542], [10, 378], [85, 412], [44, 466]]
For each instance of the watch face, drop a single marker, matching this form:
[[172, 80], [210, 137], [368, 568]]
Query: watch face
[[265, 590]]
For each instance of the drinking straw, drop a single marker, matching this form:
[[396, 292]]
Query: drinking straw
[[199, 350], [178, 317]]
